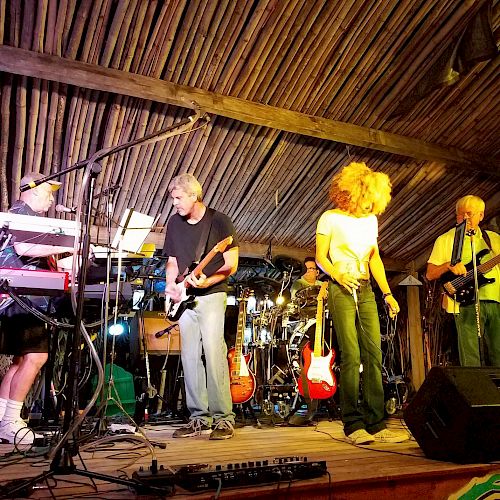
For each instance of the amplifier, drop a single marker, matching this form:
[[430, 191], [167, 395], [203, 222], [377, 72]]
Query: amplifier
[[199, 477], [169, 342]]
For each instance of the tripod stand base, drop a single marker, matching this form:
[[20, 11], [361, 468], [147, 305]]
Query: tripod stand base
[[66, 467]]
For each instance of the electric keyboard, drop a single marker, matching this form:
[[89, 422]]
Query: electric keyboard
[[40, 282], [40, 230], [34, 282]]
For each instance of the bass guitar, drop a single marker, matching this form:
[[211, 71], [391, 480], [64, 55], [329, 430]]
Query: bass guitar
[[461, 288], [317, 380], [242, 380], [173, 309]]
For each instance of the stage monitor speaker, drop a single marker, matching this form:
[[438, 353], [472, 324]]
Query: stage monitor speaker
[[455, 415], [169, 341]]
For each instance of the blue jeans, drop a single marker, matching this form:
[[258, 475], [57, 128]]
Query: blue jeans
[[468, 343], [359, 342], [208, 395]]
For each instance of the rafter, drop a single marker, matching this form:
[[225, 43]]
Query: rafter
[[48, 67]]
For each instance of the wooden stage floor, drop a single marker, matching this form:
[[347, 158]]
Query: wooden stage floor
[[373, 471]]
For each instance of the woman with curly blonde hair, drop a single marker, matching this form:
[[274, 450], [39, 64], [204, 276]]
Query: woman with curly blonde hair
[[347, 250]]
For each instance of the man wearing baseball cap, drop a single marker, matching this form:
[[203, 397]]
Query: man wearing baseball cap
[[22, 334]]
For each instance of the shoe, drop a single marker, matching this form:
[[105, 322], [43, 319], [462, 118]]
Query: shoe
[[360, 437], [387, 436], [17, 432], [195, 427], [223, 429]]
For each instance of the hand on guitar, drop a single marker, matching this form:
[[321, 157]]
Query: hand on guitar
[[197, 282], [174, 292], [458, 269]]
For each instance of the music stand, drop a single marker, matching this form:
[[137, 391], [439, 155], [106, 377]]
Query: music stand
[[130, 235]]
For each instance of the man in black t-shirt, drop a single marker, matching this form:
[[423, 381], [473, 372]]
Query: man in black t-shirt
[[196, 229], [22, 334]]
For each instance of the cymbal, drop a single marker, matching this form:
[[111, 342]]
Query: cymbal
[[286, 263]]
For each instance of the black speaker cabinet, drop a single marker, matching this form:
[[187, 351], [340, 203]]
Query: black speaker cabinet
[[455, 415]]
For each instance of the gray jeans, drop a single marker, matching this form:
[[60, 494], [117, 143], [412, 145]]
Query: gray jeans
[[208, 396]]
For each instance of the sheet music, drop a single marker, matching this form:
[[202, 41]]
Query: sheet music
[[134, 234]]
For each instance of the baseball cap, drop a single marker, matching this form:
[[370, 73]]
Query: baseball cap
[[35, 176]]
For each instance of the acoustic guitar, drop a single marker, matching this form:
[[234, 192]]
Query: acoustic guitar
[[317, 380], [242, 380]]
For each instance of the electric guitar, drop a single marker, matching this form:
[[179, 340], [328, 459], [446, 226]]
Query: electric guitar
[[317, 373], [461, 288], [242, 380], [173, 309]]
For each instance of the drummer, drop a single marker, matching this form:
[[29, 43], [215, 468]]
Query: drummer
[[309, 278]]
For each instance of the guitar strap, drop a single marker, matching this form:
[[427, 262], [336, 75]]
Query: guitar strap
[[201, 248], [486, 238]]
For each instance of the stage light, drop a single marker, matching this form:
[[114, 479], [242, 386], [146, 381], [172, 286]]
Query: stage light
[[116, 329], [252, 304], [231, 300], [280, 300]]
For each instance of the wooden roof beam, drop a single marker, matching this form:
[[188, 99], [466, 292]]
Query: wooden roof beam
[[48, 67]]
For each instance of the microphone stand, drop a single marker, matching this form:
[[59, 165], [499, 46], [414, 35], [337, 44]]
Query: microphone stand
[[477, 307]]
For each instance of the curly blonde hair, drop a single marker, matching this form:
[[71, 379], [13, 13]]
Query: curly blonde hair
[[356, 186]]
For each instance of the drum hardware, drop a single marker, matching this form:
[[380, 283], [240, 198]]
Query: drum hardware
[[267, 407]]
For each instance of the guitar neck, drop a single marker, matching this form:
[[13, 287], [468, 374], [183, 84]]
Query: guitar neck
[[204, 262], [318, 336], [489, 265], [238, 344]]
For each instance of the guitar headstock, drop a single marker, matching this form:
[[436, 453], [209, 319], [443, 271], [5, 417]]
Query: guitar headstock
[[323, 291], [222, 245]]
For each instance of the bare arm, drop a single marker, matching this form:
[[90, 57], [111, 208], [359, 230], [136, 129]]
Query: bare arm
[[377, 270], [435, 272], [37, 250]]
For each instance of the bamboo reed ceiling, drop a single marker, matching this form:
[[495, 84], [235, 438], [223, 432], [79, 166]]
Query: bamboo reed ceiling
[[350, 61]]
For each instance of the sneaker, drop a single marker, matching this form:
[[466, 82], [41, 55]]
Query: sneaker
[[223, 429], [387, 436], [360, 437], [195, 427], [17, 432]]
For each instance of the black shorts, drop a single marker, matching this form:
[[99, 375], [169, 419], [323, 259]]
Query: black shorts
[[21, 334]]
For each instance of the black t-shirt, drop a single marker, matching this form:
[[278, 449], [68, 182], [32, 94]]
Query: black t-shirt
[[182, 241]]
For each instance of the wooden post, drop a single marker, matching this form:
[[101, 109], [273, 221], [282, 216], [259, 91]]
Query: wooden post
[[415, 335]]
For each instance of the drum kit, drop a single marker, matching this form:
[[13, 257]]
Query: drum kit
[[276, 336]]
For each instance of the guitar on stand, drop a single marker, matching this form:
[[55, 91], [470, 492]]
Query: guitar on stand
[[173, 309], [242, 380], [317, 380]]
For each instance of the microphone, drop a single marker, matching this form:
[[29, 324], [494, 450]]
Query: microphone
[[63, 209], [166, 330]]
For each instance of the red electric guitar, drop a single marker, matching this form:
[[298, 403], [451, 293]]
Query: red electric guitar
[[317, 373], [242, 380]]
